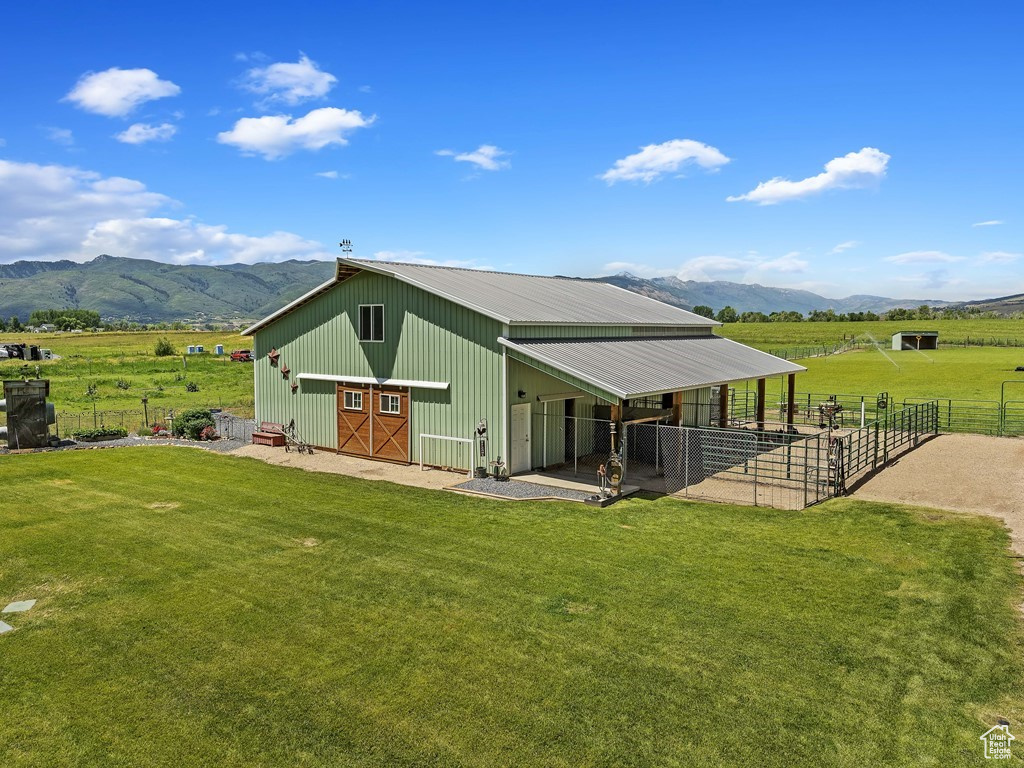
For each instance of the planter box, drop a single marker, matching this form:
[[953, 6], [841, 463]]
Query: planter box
[[99, 439]]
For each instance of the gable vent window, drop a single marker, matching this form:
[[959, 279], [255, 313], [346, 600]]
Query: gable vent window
[[371, 322]]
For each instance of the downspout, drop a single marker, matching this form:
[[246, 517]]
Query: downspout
[[505, 442]]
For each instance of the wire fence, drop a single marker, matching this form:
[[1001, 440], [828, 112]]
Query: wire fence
[[227, 424], [782, 469], [570, 445]]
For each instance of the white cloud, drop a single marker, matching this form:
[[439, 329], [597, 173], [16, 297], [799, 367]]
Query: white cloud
[[923, 257], [845, 246], [655, 160], [999, 257], [185, 241], [856, 169], [117, 92], [275, 136], [140, 133], [289, 83], [486, 157], [328, 174], [989, 223], [745, 269], [420, 257], [62, 212], [789, 263], [62, 136]]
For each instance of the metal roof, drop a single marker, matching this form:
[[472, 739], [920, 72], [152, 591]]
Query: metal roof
[[634, 367], [518, 299], [514, 298]]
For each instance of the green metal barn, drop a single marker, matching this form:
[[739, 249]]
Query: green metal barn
[[401, 362]]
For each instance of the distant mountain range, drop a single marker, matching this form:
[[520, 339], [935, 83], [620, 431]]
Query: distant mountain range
[[753, 298], [1004, 305], [150, 291]]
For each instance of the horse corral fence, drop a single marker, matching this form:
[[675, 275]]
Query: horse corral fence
[[785, 468]]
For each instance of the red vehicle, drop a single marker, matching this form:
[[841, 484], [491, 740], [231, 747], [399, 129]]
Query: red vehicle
[[241, 355]]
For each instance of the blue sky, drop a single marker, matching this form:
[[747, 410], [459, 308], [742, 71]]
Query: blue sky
[[843, 148]]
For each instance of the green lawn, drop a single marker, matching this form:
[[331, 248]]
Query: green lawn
[[975, 373], [778, 335], [183, 620], [102, 359]]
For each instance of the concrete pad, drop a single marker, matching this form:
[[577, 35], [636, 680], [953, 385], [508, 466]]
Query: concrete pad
[[4, 627], [559, 481], [18, 607]]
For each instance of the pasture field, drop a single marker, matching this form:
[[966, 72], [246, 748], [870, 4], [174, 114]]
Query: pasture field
[[100, 360], [197, 609], [776, 335], [974, 373]]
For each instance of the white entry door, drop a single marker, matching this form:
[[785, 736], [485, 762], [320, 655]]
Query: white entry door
[[519, 460]]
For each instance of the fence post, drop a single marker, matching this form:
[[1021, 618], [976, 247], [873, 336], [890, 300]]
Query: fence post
[[686, 461], [874, 456], [806, 473], [755, 470], [575, 446]]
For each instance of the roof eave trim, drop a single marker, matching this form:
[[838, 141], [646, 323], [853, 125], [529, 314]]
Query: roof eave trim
[[411, 383], [563, 368], [618, 323], [273, 316]]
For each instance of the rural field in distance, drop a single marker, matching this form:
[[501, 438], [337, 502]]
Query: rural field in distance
[[101, 360]]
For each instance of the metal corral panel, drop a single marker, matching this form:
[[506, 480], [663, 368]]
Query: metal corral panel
[[426, 338], [630, 368]]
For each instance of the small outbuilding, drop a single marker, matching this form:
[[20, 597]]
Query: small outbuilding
[[915, 340]]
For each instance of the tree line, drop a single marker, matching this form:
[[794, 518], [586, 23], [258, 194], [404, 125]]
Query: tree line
[[729, 315]]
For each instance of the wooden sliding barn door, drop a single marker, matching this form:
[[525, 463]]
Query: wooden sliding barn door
[[354, 415], [390, 423]]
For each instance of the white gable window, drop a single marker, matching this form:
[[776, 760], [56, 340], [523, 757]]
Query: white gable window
[[371, 322], [353, 401], [390, 404]]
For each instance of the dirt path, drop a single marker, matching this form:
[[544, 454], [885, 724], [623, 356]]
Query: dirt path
[[965, 473], [321, 461]]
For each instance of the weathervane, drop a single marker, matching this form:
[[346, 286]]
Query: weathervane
[[346, 247]]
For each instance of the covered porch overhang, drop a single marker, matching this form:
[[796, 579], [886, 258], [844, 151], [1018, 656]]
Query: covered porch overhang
[[621, 370]]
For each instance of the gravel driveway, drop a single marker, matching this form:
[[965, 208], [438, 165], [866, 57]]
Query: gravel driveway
[[964, 473]]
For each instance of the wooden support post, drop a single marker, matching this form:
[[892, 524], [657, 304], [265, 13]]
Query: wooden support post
[[677, 408], [760, 403], [723, 406], [791, 400], [616, 424]]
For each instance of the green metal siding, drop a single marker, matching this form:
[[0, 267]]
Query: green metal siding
[[535, 383], [426, 338], [523, 331]]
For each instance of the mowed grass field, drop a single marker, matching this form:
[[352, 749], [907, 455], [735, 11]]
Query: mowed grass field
[[777, 335], [197, 609], [975, 373], [101, 359]]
